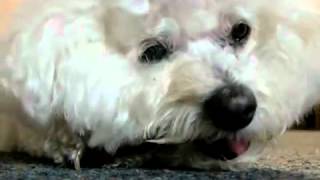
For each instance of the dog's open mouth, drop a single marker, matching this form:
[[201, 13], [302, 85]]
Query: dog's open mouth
[[162, 155], [223, 149]]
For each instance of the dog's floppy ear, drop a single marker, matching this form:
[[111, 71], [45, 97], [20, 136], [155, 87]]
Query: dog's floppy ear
[[136, 6]]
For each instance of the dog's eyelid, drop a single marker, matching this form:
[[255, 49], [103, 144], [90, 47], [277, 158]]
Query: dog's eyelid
[[154, 41]]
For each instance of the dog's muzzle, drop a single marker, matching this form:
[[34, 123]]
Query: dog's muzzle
[[230, 107]]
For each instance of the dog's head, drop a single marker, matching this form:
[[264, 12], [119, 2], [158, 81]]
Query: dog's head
[[219, 78]]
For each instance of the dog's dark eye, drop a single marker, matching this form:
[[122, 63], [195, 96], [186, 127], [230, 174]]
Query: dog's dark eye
[[240, 33], [154, 51]]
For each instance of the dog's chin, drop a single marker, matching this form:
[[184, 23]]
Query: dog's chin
[[224, 149]]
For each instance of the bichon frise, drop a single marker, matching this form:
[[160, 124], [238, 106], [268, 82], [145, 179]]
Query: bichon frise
[[217, 79]]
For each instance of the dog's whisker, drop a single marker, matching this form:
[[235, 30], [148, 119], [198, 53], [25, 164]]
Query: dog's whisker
[[166, 141]]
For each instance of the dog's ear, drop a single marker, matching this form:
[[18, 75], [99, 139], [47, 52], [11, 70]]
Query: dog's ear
[[136, 6]]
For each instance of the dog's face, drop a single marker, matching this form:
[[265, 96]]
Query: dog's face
[[221, 78]]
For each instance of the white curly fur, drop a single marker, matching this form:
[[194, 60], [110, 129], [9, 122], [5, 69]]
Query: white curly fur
[[77, 61]]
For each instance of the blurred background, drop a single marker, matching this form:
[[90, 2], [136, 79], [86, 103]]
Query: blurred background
[[311, 121]]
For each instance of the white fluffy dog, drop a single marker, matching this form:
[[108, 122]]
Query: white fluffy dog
[[218, 79]]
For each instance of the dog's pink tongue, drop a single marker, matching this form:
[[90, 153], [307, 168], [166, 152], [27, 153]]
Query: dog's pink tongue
[[239, 146]]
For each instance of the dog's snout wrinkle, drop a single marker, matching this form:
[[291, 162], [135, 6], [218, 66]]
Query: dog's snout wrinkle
[[230, 107]]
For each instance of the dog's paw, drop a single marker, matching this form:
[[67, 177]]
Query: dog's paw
[[64, 153], [63, 146]]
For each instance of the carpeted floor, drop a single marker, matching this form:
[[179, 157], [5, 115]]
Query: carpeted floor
[[297, 156]]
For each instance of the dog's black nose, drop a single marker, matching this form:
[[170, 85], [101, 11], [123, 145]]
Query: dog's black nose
[[230, 107]]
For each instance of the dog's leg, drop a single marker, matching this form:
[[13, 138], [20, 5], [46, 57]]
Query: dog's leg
[[57, 142], [16, 136]]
